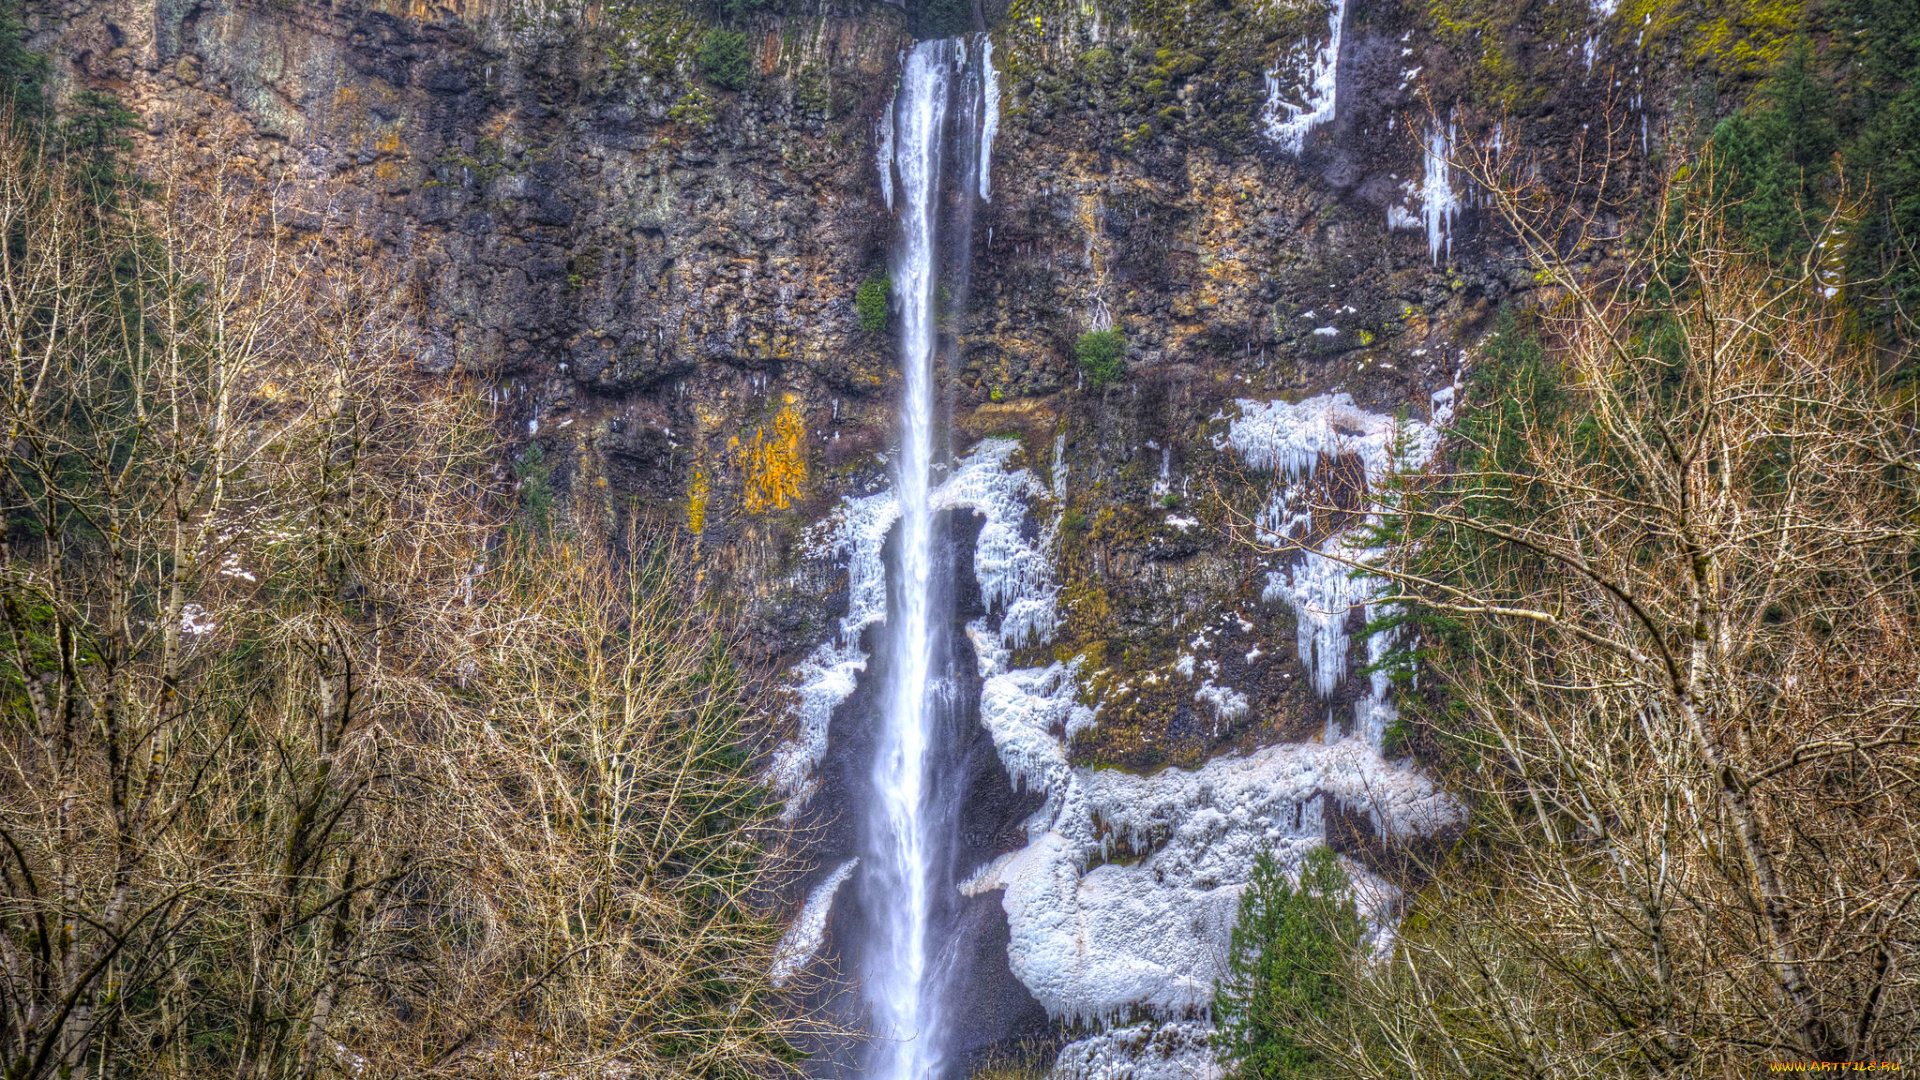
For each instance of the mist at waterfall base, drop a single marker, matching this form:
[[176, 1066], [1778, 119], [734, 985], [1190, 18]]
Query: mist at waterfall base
[[913, 786]]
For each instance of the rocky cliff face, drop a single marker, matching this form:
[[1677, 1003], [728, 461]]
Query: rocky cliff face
[[657, 276], [655, 280]]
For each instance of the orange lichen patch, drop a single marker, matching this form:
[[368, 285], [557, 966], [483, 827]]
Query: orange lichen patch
[[769, 53], [388, 141], [496, 126], [774, 461], [698, 492]]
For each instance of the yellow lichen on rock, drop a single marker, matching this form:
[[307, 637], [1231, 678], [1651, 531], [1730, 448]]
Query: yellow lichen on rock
[[774, 461], [697, 494]]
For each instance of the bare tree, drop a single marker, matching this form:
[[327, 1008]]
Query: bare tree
[[1667, 608], [300, 774]]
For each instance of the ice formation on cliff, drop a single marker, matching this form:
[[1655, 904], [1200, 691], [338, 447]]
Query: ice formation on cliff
[[1291, 439], [1015, 575], [1120, 906], [990, 121], [883, 154], [1120, 941], [1179, 1050], [1439, 203], [855, 531], [1289, 124], [809, 930]]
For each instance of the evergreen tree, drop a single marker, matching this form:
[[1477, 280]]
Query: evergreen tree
[[1290, 949], [1776, 156], [1102, 355], [21, 69], [1877, 54], [725, 57]]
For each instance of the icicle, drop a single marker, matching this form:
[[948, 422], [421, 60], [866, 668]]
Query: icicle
[[989, 122], [1289, 124], [1438, 203]]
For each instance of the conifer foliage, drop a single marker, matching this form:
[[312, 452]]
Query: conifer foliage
[[1293, 947]]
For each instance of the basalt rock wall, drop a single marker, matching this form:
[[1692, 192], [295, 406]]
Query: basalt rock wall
[[655, 277]]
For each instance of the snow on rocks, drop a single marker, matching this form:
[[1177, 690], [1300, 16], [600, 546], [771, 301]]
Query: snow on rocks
[[1181, 1050], [195, 621], [804, 938], [1228, 704], [1149, 938]]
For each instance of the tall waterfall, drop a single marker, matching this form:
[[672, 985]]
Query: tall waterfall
[[937, 144]]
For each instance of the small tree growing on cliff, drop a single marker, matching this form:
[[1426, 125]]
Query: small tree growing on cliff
[[725, 58], [1102, 355], [871, 301]]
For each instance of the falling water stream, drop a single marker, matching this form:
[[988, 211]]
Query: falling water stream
[[937, 145]]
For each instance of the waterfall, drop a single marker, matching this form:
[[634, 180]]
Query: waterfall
[[937, 138]]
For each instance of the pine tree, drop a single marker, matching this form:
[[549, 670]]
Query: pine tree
[[21, 69], [1289, 951], [1776, 156]]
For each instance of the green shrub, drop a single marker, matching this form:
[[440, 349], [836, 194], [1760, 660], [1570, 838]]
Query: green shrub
[[871, 301], [21, 69], [536, 490], [1102, 355], [1774, 157], [1289, 950], [725, 59]]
